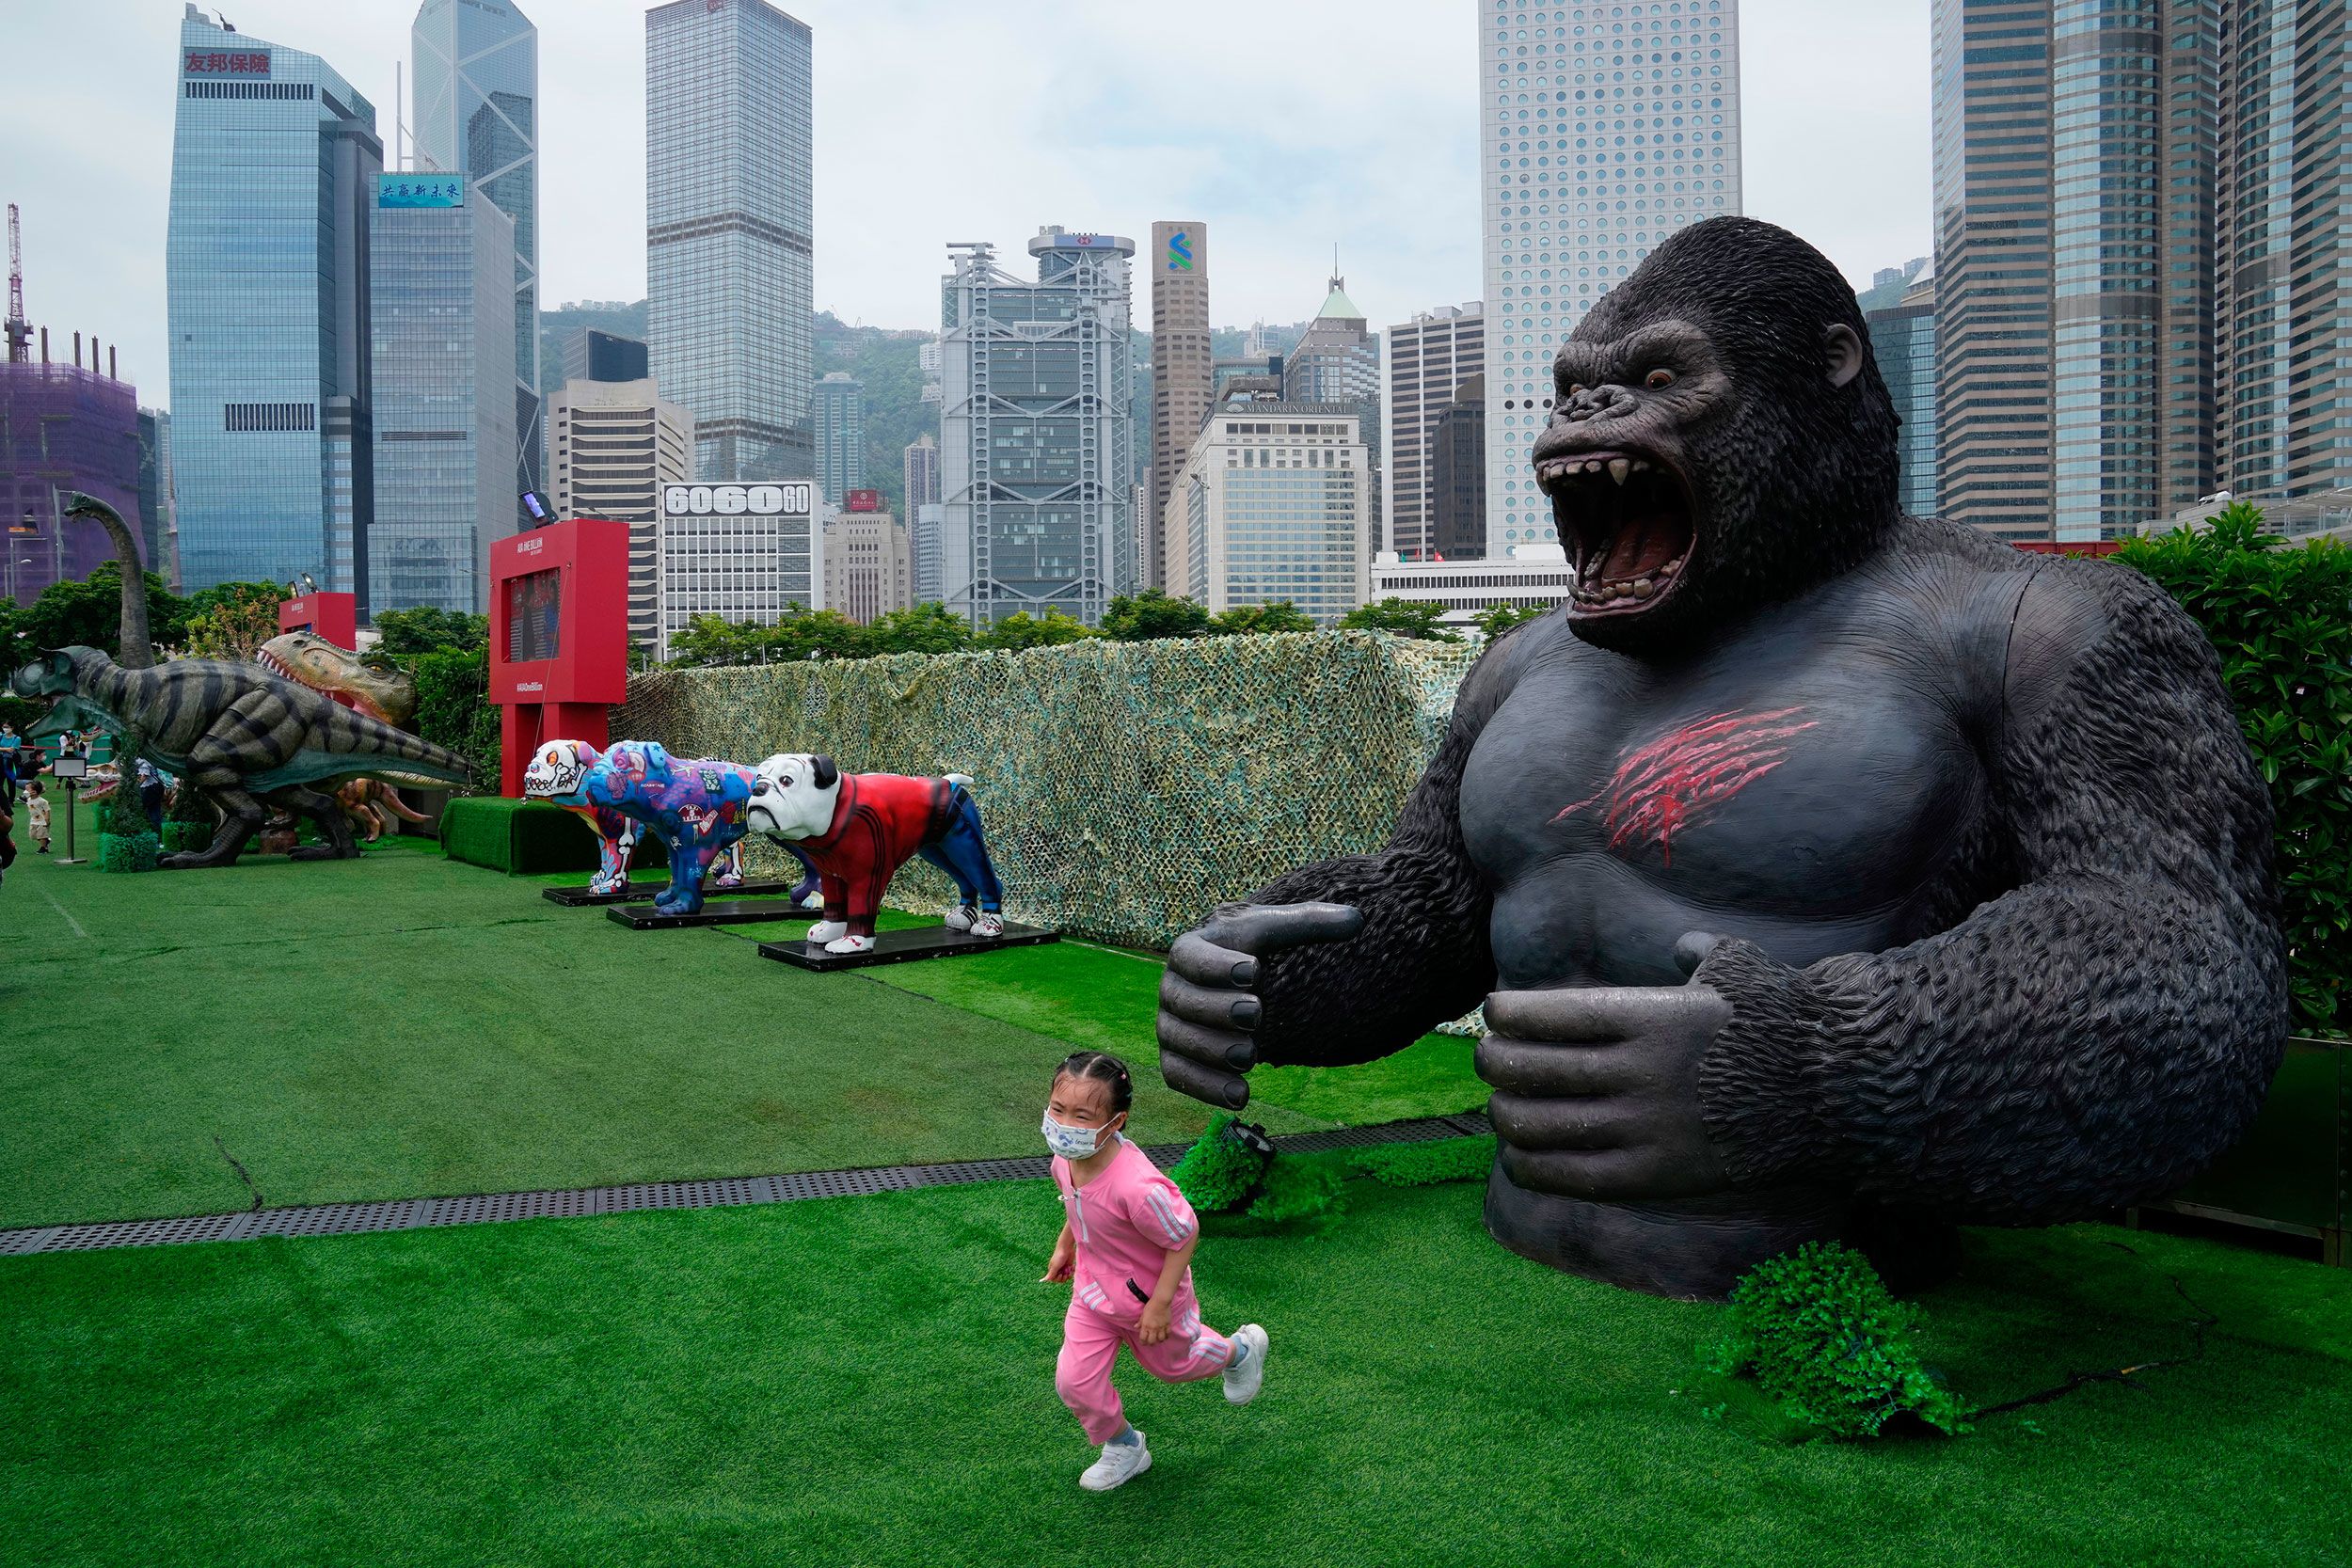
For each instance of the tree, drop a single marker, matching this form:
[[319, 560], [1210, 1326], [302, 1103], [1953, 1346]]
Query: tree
[[1493, 621], [715, 639], [1244, 619], [927, 629], [88, 615], [1151, 614], [1051, 630], [1401, 618], [408, 633], [231, 621]]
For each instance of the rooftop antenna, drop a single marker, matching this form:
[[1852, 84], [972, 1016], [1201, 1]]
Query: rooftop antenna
[[20, 330]]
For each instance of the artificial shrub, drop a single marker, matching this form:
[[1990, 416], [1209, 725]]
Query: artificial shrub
[[127, 852], [2282, 621], [1820, 1334], [1299, 1190], [524, 837], [125, 841], [1219, 1171]]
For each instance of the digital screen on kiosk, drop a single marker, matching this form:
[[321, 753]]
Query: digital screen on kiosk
[[533, 606]]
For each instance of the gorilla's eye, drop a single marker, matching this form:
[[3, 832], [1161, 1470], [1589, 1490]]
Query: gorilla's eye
[[1659, 380], [1576, 388]]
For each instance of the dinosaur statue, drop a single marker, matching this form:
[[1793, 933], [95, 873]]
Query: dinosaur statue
[[239, 733], [371, 804], [368, 682]]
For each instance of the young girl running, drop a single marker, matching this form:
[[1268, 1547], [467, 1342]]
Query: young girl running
[[1127, 1240]]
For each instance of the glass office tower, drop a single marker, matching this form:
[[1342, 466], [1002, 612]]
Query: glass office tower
[[727, 279], [443, 315], [273, 165], [477, 114], [840, 436]]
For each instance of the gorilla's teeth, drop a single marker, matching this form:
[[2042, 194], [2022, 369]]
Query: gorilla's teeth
[[1643, 588], [1618, 469], [1593, 466], [1670, 568]]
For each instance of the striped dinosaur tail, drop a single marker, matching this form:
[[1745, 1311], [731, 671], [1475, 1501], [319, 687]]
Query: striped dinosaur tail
[[378, 750]]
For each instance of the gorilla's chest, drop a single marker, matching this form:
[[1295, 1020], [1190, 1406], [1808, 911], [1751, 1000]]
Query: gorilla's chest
[[1806, 793]]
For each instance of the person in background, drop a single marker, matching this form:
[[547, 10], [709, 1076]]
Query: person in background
[[37, 815], [11, 753], [151, 795]]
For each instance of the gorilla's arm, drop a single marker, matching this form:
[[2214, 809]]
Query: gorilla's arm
[[1424, 955], [2090, 1038]]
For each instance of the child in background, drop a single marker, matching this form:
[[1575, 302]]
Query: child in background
[[37, 815], [1126, 1242]]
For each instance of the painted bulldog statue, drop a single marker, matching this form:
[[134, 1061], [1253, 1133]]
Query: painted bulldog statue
[[857, 829], [694, 808]]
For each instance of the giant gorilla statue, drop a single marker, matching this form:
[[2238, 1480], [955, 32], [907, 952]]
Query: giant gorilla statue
[[1833, 872]]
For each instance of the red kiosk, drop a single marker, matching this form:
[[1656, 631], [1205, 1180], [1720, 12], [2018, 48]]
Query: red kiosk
[[333, 616], [559, 636]]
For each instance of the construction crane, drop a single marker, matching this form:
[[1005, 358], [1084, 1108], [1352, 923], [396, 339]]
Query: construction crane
[[20, 330]]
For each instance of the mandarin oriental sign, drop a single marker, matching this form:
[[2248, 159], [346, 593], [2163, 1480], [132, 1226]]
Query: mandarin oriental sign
[[244, 62]]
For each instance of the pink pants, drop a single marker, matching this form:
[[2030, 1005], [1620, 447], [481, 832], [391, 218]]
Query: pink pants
[[1090, 1346]]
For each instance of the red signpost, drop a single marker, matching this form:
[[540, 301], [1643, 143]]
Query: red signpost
[[559, 636], [333, 616]]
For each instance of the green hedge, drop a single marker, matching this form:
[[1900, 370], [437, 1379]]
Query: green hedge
[[523, 837], [2281, 620], [127, 852]]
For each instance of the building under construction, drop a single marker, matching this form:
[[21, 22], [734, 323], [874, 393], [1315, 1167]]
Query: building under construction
[[64, 427]]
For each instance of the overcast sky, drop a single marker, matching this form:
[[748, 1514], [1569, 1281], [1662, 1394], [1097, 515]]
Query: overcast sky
[[1287, 125]]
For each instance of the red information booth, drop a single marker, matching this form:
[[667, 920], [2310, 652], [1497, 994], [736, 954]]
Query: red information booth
[[559, 636], [333, 616]]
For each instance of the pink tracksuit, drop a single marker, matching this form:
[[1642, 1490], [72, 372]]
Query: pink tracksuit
[[1126, 1222]]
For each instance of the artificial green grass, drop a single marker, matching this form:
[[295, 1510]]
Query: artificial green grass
[[1102, 999], [403, 1025], [870, 1380]]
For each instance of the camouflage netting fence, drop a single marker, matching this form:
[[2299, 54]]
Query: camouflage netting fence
[[1126, 787]]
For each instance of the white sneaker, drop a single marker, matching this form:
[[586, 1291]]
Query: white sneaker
[[959, 919], [1242, 1383], [988, 925], [850, 944], [1121, 1463], [825, 931]]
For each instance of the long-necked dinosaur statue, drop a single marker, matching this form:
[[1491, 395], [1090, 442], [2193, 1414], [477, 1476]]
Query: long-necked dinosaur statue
[[238, 733]]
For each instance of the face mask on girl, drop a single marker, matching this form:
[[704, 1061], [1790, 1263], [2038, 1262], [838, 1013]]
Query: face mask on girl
[[1075, 1143]]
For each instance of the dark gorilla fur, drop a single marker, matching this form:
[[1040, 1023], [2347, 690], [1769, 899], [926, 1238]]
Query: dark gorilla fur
[[2078, 1005], [1788, 449]]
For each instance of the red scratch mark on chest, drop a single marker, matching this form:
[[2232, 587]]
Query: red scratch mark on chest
[[1674, 783]]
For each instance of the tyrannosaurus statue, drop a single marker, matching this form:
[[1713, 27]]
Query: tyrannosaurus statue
[[368, 682]]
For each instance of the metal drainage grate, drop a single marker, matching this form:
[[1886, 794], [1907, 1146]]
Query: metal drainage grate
[[351, 1219]]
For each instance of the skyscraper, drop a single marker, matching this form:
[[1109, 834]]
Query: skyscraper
[[1457, 476], [156, 544], [274, 160], [2074, 198], [1428, 357], [588, 354], [840, 436], [1336, 359], [1900, 311], [920, 466], [2286, 249], [476, 95], [442, 308], [1182, 360], [1035, 430], [613, 448], [728, 279], [1605, 126]]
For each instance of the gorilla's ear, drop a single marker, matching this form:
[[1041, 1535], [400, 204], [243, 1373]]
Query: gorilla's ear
[[827, 774], [1843, 349]]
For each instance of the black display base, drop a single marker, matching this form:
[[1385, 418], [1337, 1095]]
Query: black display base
[[639, 891], [719, 912], [898, 947]]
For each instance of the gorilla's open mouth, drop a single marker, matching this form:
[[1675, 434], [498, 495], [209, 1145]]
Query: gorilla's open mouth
[[1629, 525]]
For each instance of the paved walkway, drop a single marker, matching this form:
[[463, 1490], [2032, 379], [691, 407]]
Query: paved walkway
[[411, 1213]]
